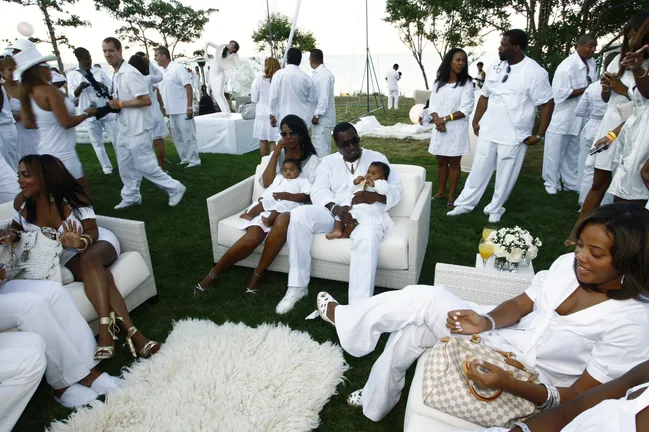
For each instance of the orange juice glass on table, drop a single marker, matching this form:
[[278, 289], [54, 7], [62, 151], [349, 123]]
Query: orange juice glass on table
[[486, 231], [486, 250]]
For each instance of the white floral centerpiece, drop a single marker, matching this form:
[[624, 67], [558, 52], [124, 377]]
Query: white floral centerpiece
[[513, 247]]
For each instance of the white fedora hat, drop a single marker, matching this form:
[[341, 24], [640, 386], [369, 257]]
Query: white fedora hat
[[28, 58], [21, 45]]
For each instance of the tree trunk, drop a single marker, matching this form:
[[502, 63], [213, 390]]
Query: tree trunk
[[50, 29], [417, 57]]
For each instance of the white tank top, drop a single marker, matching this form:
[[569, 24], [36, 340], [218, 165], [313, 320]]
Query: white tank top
[[54, 138]]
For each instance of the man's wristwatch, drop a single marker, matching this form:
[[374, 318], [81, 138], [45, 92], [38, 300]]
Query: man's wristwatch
[[190, 108], [540, 138]]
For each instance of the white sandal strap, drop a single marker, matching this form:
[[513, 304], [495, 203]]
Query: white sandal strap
[[355, 399], [251, 291]]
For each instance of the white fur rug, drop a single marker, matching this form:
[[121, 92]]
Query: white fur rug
[[226, 378]]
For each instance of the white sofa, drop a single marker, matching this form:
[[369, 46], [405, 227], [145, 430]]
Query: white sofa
[[132, 271], [473, 285], [402, 250]]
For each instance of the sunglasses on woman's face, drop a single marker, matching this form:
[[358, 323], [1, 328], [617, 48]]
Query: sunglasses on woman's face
[[285, 134]]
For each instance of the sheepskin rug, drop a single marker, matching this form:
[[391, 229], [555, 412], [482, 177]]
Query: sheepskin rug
[[227, 378]]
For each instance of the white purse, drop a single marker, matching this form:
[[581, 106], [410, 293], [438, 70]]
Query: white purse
[[37, 256]]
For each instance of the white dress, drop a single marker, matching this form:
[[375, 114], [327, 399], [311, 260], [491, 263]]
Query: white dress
[[160, 129], [631, 153], [27, 138], [261, 97], [369, 213], [445, 101]]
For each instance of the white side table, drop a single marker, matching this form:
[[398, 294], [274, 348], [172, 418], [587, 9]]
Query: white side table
[[525, 271]]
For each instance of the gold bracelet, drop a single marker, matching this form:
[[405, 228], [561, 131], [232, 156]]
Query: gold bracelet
[[643, 75], [85, 247], [451, 117], [87, 236]]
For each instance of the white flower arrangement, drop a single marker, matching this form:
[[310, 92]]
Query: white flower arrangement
[[514, 244]]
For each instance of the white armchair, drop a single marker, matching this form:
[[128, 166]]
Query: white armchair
[[402, 250], [473, 285]]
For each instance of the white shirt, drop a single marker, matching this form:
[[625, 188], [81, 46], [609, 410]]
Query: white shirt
[[511, 111], [155, 73], [571, 74], [172, 89], [6, 117], [592, 108], [129, 84], [393, 79], [323, 83], [88, 95], [333, 178], [292, 92], [294, 186]]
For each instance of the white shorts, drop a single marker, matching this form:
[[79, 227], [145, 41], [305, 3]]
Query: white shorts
[[104, 235]]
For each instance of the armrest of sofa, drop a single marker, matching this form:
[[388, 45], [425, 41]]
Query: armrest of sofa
[[131, 235], [420, 228]]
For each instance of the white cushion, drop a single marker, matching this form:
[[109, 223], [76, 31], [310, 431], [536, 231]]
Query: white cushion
[[129, 271], [393, 254], [412, 181], [257, 188], [6, 213]]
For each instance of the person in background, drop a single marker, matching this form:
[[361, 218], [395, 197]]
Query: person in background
[[291, 91], [260, 96], [59, 81], [324, 117], [97, 65], [561, 152], [177, 94], [392, 77], [87, 94], [206, 103], [8, 131], [224, 59], [479, 79]]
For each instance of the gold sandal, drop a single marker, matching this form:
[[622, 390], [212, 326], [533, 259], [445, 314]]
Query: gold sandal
[[113, 329], [145, 352]]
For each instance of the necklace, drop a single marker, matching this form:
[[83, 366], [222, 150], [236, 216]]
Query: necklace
[[352, 170]]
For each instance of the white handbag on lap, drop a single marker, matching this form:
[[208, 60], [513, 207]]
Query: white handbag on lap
[[37, 257]]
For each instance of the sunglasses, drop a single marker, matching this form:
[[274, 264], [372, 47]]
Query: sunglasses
[[285, 134], [589, 79], [509, 69]]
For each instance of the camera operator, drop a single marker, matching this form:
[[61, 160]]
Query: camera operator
[[90, 86]]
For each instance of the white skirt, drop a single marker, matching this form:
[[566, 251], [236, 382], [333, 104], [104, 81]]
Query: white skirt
[[262, 130], [72, 163], [27, 140], [104, 235]]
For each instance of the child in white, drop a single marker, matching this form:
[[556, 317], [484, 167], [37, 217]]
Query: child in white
[[269, 205], [374, 181]]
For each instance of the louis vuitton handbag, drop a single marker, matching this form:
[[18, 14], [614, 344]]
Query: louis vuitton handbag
[[447, 388]]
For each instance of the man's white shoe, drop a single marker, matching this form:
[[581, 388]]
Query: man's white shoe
[[292, 296], [183, 162], [192, 165], [123, 204], [105, 383], [494, 218], [77, 396], [551, 190], [175, 198], [458, 211]]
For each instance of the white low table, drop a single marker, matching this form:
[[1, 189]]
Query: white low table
[[524, 271], [216, 133]]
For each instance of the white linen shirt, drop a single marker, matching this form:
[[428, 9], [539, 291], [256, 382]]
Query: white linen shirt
[[333, 178], [511, 110], [88, 95], [6, 116], [323, 83], [571, 74], [292, 92], [393, 79], [129, 84], [172, 89]]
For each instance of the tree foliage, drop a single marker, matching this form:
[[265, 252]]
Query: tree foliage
[[280, 29]]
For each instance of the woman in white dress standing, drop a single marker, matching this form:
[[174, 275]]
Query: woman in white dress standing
[[263, 131], [44, 106], [450, 106], [225, 58]]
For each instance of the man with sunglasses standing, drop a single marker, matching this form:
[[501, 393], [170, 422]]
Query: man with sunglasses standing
[[561, 152], [503, 121]]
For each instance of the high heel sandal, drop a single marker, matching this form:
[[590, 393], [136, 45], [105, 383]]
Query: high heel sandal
[[250, 290], [198, 289], [113, 329], [145, 352]]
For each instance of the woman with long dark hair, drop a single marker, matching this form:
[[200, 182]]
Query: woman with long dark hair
[[262, 130], [52, 199], [450, 105], [295, 144]]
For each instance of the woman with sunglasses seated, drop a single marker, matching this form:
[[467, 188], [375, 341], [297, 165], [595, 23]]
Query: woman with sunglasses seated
[[295, 144], [580, 324]]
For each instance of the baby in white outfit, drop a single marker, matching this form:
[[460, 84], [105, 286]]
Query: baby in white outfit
[[374, 181], [269, 205]]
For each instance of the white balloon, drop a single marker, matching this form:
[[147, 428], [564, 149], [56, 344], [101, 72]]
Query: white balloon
[[25, 29], [414, 113]]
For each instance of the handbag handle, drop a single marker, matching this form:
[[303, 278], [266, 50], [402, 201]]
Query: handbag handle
[[465, 370]]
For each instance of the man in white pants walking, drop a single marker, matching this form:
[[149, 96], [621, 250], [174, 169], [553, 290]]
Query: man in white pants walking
[[134, 131], [503, 121], [561, 152], [178, 98], [335, 173], [85, 93], [324, 117], [393, 77]]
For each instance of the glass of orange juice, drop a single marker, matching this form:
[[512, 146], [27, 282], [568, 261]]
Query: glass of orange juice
[[486, 250], [486, 231]]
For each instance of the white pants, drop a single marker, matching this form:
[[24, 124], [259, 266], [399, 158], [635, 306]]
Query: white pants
[[364, 256], [217, 85], [47, 309], [416, 318], [9, 144], [8, 182], [136, 159], [560, 161], [322, 139], [183, 132], [507, 160], [96, 138], [21, 369], [393, 99]]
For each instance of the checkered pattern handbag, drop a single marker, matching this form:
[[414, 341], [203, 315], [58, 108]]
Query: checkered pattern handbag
[[447, 388], [37, 257]]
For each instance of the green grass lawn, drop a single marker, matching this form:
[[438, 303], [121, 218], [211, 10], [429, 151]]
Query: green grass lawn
[[181, 251]]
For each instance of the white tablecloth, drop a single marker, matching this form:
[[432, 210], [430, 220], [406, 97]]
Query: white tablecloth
[[218, 134]]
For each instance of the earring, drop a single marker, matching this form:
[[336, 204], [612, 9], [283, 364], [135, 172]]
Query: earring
[[51, 198], [622, 280]]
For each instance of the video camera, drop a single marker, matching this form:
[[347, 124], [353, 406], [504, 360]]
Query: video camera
[[102, 92]]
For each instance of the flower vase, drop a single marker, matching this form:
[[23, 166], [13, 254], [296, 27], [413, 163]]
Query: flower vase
[[525, 263], [501, 264]]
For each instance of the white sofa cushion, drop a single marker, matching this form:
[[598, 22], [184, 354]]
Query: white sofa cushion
[[393, 254]]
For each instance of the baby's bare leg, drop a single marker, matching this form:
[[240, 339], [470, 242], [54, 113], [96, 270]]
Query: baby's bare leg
[[270, 220], [253, 212], [347, 231], [337, 231]]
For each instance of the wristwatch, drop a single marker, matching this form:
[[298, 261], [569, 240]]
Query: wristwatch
[[540, 138], [316, 116]]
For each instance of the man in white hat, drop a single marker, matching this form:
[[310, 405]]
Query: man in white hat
[[135, 156], [20, 45]]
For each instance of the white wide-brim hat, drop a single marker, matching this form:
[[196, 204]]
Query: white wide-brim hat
[[28, 58], [21, 45]]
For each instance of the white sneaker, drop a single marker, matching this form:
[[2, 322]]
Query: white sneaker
[[193, 164], [175, 198], [458, 211], [123, 204], [77, 396], [105, 383], [108, 172], [293, 295], [495, 217], [183, 162], [551, 190]]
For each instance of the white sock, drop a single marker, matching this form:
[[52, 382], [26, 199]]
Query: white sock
[[77, 396], [105, 383]]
